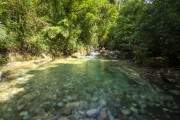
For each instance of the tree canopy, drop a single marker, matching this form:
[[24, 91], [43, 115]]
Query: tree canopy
[[143, 28]]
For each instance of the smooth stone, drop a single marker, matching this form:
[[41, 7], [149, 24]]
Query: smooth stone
[[134, 110], [46, 105], [60, 104], [175, 92], [82, 113], [23, 113], [110, 116], [142, 111], [87, 119], [93, 113], [70, 98], [20, 107], [65, 100], [9, 109], [77, 115], [125, 112], [102, 103], [66, 111], [94, 99], [131, 118], [165, 109], [104, 114], [74, 104], [63, 118]]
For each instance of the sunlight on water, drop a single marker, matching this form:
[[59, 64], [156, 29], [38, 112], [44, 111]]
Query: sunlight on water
[[82, 89]]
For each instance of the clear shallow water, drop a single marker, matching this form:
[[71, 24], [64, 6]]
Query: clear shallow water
[[83, 89]]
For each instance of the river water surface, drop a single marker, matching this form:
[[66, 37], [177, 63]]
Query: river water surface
[[83, 89]]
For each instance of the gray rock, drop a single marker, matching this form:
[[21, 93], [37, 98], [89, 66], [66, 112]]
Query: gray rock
[[102, 102], [93, 113], [66, 111], [74, 104], [23, 113], [63, 118], [104, 114], [165, 109], [134, 110], [94, 99], [77, 116], [175, 92], [126, 112], [60, 104], [20, 107]]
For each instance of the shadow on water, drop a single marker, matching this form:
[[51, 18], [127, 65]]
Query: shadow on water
[[81, 89]]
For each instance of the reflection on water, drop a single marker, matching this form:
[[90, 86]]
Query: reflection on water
[[83, 89]]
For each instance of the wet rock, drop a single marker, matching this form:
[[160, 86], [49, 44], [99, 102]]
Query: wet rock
[[131, 118], [77, 116], [74, 104], [102, 102], [65, 100], [142, 111], [60, 104], [175, 92], [82, 112], [165, 109], [63, 118], [87, 119], [94, 99], [110, 117], [66, 111], [125, 112], [23, 113], [70, 98], [93, 113], [104, 114], [46, 105], [39, 111], [134, 110], [29, 97], [20, 107]]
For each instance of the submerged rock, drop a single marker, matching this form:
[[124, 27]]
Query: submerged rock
[[125, 112], [104, 114], [93, 113], [175, 92], [60, 104], [63, 118], [23, 113], [66, 111], [20, 107], [102, 103]]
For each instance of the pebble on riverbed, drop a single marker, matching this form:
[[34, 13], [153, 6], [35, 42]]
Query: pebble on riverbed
[[93, 113]]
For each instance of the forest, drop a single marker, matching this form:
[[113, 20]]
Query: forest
[[140, 29]]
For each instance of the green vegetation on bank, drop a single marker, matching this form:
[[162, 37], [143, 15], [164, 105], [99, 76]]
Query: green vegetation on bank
[[138, 28]]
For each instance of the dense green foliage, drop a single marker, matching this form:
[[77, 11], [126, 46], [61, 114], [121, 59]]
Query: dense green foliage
[[148, 29], [63, 27], [56, 27]]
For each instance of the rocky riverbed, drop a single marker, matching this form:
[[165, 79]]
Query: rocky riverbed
[[87, 89]]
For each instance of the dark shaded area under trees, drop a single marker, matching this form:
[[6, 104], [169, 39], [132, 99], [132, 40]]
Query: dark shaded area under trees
[[140, 29]]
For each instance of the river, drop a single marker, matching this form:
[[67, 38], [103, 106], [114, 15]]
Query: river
[[85, 89]]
